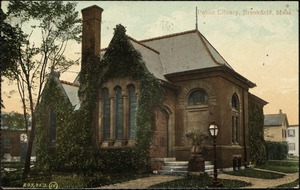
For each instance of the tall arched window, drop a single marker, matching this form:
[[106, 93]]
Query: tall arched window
[[197, 97], [118, 122], [106, 114], [132, 104], [52, 124], [235, 118]]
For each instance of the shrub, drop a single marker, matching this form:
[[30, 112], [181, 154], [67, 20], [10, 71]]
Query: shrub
[[8, 177], [276, 150], [116, 161]]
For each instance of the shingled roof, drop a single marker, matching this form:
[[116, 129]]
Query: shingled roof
[[275, 119], [177, 53], [185, 51]]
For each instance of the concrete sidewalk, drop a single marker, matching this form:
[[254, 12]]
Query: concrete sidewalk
[[142, 183]]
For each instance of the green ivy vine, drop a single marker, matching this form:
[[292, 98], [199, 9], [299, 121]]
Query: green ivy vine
[[122, 60], [256, 134], [76, 148], [48, 155]]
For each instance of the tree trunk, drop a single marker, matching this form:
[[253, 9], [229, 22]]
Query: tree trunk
[[29, 148], [32, 132]]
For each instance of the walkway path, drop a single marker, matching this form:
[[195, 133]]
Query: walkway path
[[142, 183], [262, 183], [146, 182]]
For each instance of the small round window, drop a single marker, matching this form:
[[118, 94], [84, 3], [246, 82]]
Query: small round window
[[198, 97]]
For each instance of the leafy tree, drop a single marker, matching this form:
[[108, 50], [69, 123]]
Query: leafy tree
[[14, 120], [46, 29], [9, 39]]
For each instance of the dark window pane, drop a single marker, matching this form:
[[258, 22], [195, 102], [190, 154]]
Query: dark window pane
[[197, 97], [52, 124], [118, 113], [132, 111], [106, 114], [234, 102]]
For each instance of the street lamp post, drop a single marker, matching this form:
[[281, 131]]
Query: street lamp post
[[213, 129]]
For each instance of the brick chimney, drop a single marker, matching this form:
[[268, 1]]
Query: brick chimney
[[91, 31]]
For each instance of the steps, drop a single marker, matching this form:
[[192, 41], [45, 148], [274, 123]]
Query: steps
[[209, 167], [173, 167]]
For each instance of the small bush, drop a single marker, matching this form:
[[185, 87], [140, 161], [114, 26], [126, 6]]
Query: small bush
[[7, 178], [276, 150], [116, 161]]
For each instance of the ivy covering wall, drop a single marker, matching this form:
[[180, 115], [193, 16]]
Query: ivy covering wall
[[48, 156], [256, 134], [75, 149]]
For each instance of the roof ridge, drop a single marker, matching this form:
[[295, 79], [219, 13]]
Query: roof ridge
[[139, 42], [276, 114], [168, 35], [204, 40], [69, 83]]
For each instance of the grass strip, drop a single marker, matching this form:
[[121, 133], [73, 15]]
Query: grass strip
[[290, 185], [249, 172], [196, 182], [284, 166]]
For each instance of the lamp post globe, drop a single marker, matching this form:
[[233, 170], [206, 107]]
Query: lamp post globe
[[214, 130]]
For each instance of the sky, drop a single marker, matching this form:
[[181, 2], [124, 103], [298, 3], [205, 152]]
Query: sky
[[258, 39]]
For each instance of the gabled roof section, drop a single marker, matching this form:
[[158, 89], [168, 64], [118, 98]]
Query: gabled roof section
[[185, 51], [275, 119], [71, 91], [151, 58], [257, 99]]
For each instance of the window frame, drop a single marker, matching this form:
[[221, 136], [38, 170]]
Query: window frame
[[52, 124], [106, 114], [132, 110], [201, 100], [291, 134], [118, 113], [290, 146], [235, 119]]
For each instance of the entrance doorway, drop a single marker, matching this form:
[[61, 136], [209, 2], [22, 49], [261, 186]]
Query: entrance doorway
[[160, 143]]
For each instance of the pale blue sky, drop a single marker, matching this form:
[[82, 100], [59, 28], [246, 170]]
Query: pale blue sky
[[262, 48]]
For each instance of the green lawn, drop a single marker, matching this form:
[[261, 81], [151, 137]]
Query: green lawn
[[290, 185], [63, 180], [13, 179], [196, 182], [284, 166], [249, 172]]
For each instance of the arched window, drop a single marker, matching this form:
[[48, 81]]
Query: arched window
[[197, 97], [106, 114], [132, 111], [235, 102], [235, 118], [118, 122], [52, 124]]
